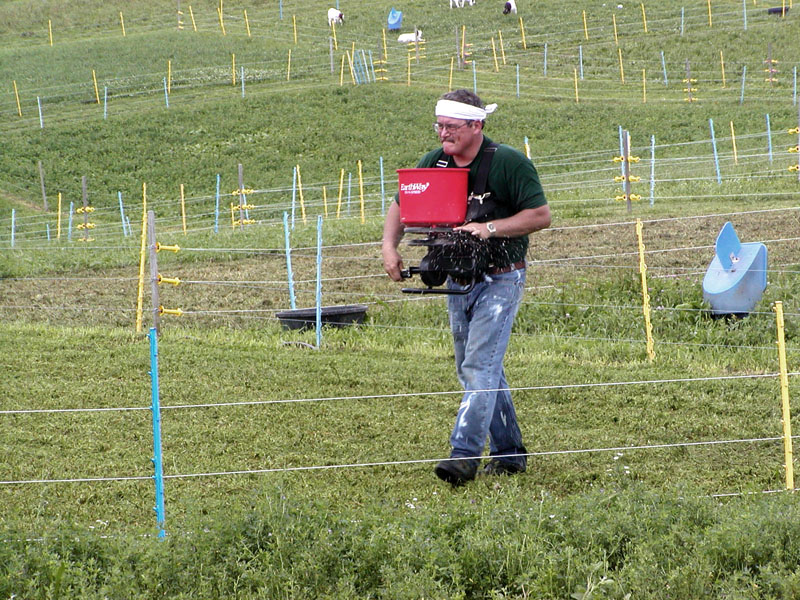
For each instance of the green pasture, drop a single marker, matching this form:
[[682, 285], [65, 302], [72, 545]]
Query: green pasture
[[295, 471]]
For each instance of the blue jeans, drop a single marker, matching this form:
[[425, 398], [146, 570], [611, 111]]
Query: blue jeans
[[481, 322]]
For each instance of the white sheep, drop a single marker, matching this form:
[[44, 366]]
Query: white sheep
[[460, 3], [510, 7], [408, 38], [335, 16]]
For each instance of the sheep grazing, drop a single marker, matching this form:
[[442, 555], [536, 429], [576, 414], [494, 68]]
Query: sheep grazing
[[460, 3], [335, 16], [410, 38], [510, 7]]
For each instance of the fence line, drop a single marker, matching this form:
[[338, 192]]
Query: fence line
[[403, 394], [394, 462]]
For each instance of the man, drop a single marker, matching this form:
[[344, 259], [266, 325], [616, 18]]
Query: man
[[481, 319]]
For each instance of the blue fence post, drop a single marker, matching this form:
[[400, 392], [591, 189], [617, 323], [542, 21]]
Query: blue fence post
[[41, 117], [158, 467], [744, 13], [544, 68], [580, 59], [288, 246], [652, 169], [769, 139], [166, 93], [372, 67], [744, 74], [216, 208], [294, 192], [122, 213], [714, 146], [517, 80], [474, 78], [105, 102], [13, 224], [664, 68], [69, 222]]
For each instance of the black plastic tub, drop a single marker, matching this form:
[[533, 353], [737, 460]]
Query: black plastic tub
[[338, 316]]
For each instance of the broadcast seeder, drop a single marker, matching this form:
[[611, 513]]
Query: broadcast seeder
[[433, 201]]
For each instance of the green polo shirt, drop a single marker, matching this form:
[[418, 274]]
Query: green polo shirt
[[514, 185]]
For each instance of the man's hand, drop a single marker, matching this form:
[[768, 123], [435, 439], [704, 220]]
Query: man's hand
[[524, 222], [392, 262], [477, 229], [392, 233]]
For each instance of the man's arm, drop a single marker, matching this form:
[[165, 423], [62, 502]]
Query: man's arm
[[393, 230], [524, 222]]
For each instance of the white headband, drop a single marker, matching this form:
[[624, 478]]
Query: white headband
[[459, 110]]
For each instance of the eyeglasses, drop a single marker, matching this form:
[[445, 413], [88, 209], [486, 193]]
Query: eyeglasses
[[449, 127]]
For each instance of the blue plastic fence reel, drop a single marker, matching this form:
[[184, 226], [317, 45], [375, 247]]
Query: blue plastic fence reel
[[737, 276], [395, 20]]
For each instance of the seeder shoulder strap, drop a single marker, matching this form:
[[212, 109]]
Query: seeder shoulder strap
[[480, 204]]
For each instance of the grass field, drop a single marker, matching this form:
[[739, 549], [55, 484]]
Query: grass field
[[293, 471]]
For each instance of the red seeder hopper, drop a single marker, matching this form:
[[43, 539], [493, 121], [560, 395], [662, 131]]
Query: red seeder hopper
[[432, 202]]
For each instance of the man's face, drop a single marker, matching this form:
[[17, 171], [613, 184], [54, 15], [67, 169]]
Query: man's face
[[456, 135]]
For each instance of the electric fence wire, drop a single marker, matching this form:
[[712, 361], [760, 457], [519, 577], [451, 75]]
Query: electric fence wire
[[294, 401], [416, 461]]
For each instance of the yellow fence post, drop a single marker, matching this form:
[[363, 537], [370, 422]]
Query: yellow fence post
[[16, 96], [341, 189], [785, 409], [575, 76], [644, 18], [449, 81], [644, 86], [645, 294], [183, 211], [300, 193], [585, 29], [96, 92], [142, 255]]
